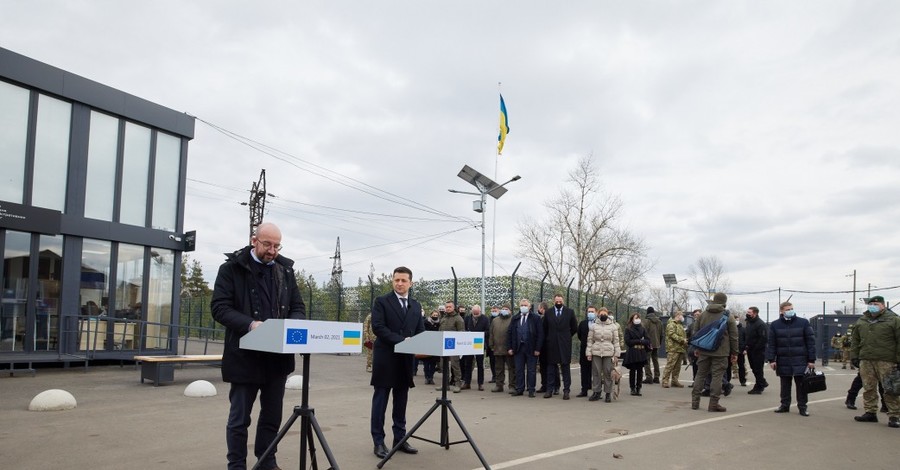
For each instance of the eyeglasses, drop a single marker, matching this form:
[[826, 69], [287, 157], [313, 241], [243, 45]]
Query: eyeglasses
[[269, 245]]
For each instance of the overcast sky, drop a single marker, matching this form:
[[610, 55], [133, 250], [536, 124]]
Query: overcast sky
[[766, 133]]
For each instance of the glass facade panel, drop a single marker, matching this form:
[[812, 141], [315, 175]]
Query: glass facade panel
[[94, 294], [159, 297], [135, 172], [49, 276], [100, 187], [165, 186], [13, 135], [16, 262], [129, 291], [51, 153]]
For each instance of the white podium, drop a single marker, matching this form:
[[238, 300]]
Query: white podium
[[304, 337], [442, 344], [289, 336]]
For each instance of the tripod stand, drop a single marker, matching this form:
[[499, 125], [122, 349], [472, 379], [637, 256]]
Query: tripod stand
[[445, 405], [308, 422]]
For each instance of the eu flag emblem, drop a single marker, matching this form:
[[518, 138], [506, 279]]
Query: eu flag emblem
[[296, 336], [449, 343]]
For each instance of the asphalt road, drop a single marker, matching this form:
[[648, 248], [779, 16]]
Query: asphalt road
[[121, 423]]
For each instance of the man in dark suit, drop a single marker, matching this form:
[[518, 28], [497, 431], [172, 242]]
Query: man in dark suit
[[395, 317], [559, 327], [524, 339]]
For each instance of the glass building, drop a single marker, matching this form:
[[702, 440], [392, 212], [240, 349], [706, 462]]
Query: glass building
[[91, 217]]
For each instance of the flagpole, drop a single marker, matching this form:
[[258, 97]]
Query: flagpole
[[494, 228]]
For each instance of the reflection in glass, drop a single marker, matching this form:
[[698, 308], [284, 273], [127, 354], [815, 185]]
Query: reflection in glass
[[159, 297], [100, 186], [165, 185], [51, 153], [13, 133], [16, 260], [94, 288], [135, 171], [46, 315], [129, 281]]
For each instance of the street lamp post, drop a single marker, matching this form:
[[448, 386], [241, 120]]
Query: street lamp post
[[853, 305], [485, 187]]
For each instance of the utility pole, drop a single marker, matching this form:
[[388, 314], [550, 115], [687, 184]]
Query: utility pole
[[853, 299], [257, 202], [337, 276]]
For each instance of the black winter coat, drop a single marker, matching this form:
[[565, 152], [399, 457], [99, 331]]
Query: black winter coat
[[236, 303], [791, 345], [638, 343], [755, 335]]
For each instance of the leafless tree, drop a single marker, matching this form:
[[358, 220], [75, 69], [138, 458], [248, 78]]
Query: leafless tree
[[709, 277], [579, 239]]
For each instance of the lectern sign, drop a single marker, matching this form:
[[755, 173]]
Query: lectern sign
[[304, 336]]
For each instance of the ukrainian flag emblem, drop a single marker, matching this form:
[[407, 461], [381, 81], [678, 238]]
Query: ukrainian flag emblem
[[352, 337], [479, 343]]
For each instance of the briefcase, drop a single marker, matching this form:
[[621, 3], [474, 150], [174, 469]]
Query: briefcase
[[814, 381]]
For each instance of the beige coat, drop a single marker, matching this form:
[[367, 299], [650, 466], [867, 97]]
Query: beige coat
[[603, 339]]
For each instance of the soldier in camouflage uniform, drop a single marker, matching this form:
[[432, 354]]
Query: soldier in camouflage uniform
[[875, 348], [368, 341], [836, 344], [676, 344], [845, 348]]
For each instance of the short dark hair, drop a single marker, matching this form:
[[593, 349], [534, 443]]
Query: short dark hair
[[558, 294], [755, 310], [402, 270]]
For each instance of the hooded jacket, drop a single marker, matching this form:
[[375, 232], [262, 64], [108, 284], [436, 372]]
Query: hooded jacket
[[876, 337], [729, 343]]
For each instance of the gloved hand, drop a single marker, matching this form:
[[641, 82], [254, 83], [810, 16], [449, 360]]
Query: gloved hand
[[854, 363]]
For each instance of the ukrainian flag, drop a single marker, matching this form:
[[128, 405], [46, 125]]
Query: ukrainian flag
[[504, 126], [478, 343], [352, 337]]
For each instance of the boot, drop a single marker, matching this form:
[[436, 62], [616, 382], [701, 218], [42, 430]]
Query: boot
[[607, 398], [648, 380], [465, 386], [850, 403], [695, 403], [656, 380], [867, 418], [894, 422], [594, 397], [497, 387], [633, 391], [715, 406], [638, 391], [665, 384], [677, 385], [582, 394]]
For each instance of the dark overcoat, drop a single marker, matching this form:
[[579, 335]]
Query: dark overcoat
[[236, 304], [391, 326], [535, 333], [558, 332], [637, 344]]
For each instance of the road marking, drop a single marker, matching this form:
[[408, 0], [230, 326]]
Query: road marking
[[650, 432]]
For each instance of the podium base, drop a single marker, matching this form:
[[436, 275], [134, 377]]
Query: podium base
[[444, 405]]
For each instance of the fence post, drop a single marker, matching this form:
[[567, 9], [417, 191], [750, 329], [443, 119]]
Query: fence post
[[541, 299], [512, 288], [455, 289]]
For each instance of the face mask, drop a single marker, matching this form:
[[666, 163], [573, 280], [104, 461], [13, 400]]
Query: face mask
[[558, 305], [494, 313], [523, 309], [504, 313], [637, 321], [591, 316], [789, 314], [603, 318], [434, 319], [874, 308]]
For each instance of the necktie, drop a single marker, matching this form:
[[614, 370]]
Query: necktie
[[523, 319], [403, 303], [557, 313]]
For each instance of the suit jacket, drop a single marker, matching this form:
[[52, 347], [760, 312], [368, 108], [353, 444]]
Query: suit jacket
[[558, 332], [391, 326], [535, 334]]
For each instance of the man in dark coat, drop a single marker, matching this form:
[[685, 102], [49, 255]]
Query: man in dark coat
[[477, 323], [755, 340], [791, 351], [657, 334], [559, 327], [395, 317], [255, 284], [524, 340], [583, 329]]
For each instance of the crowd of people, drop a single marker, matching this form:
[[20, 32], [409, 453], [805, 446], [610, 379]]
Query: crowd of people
[[529, 352]]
